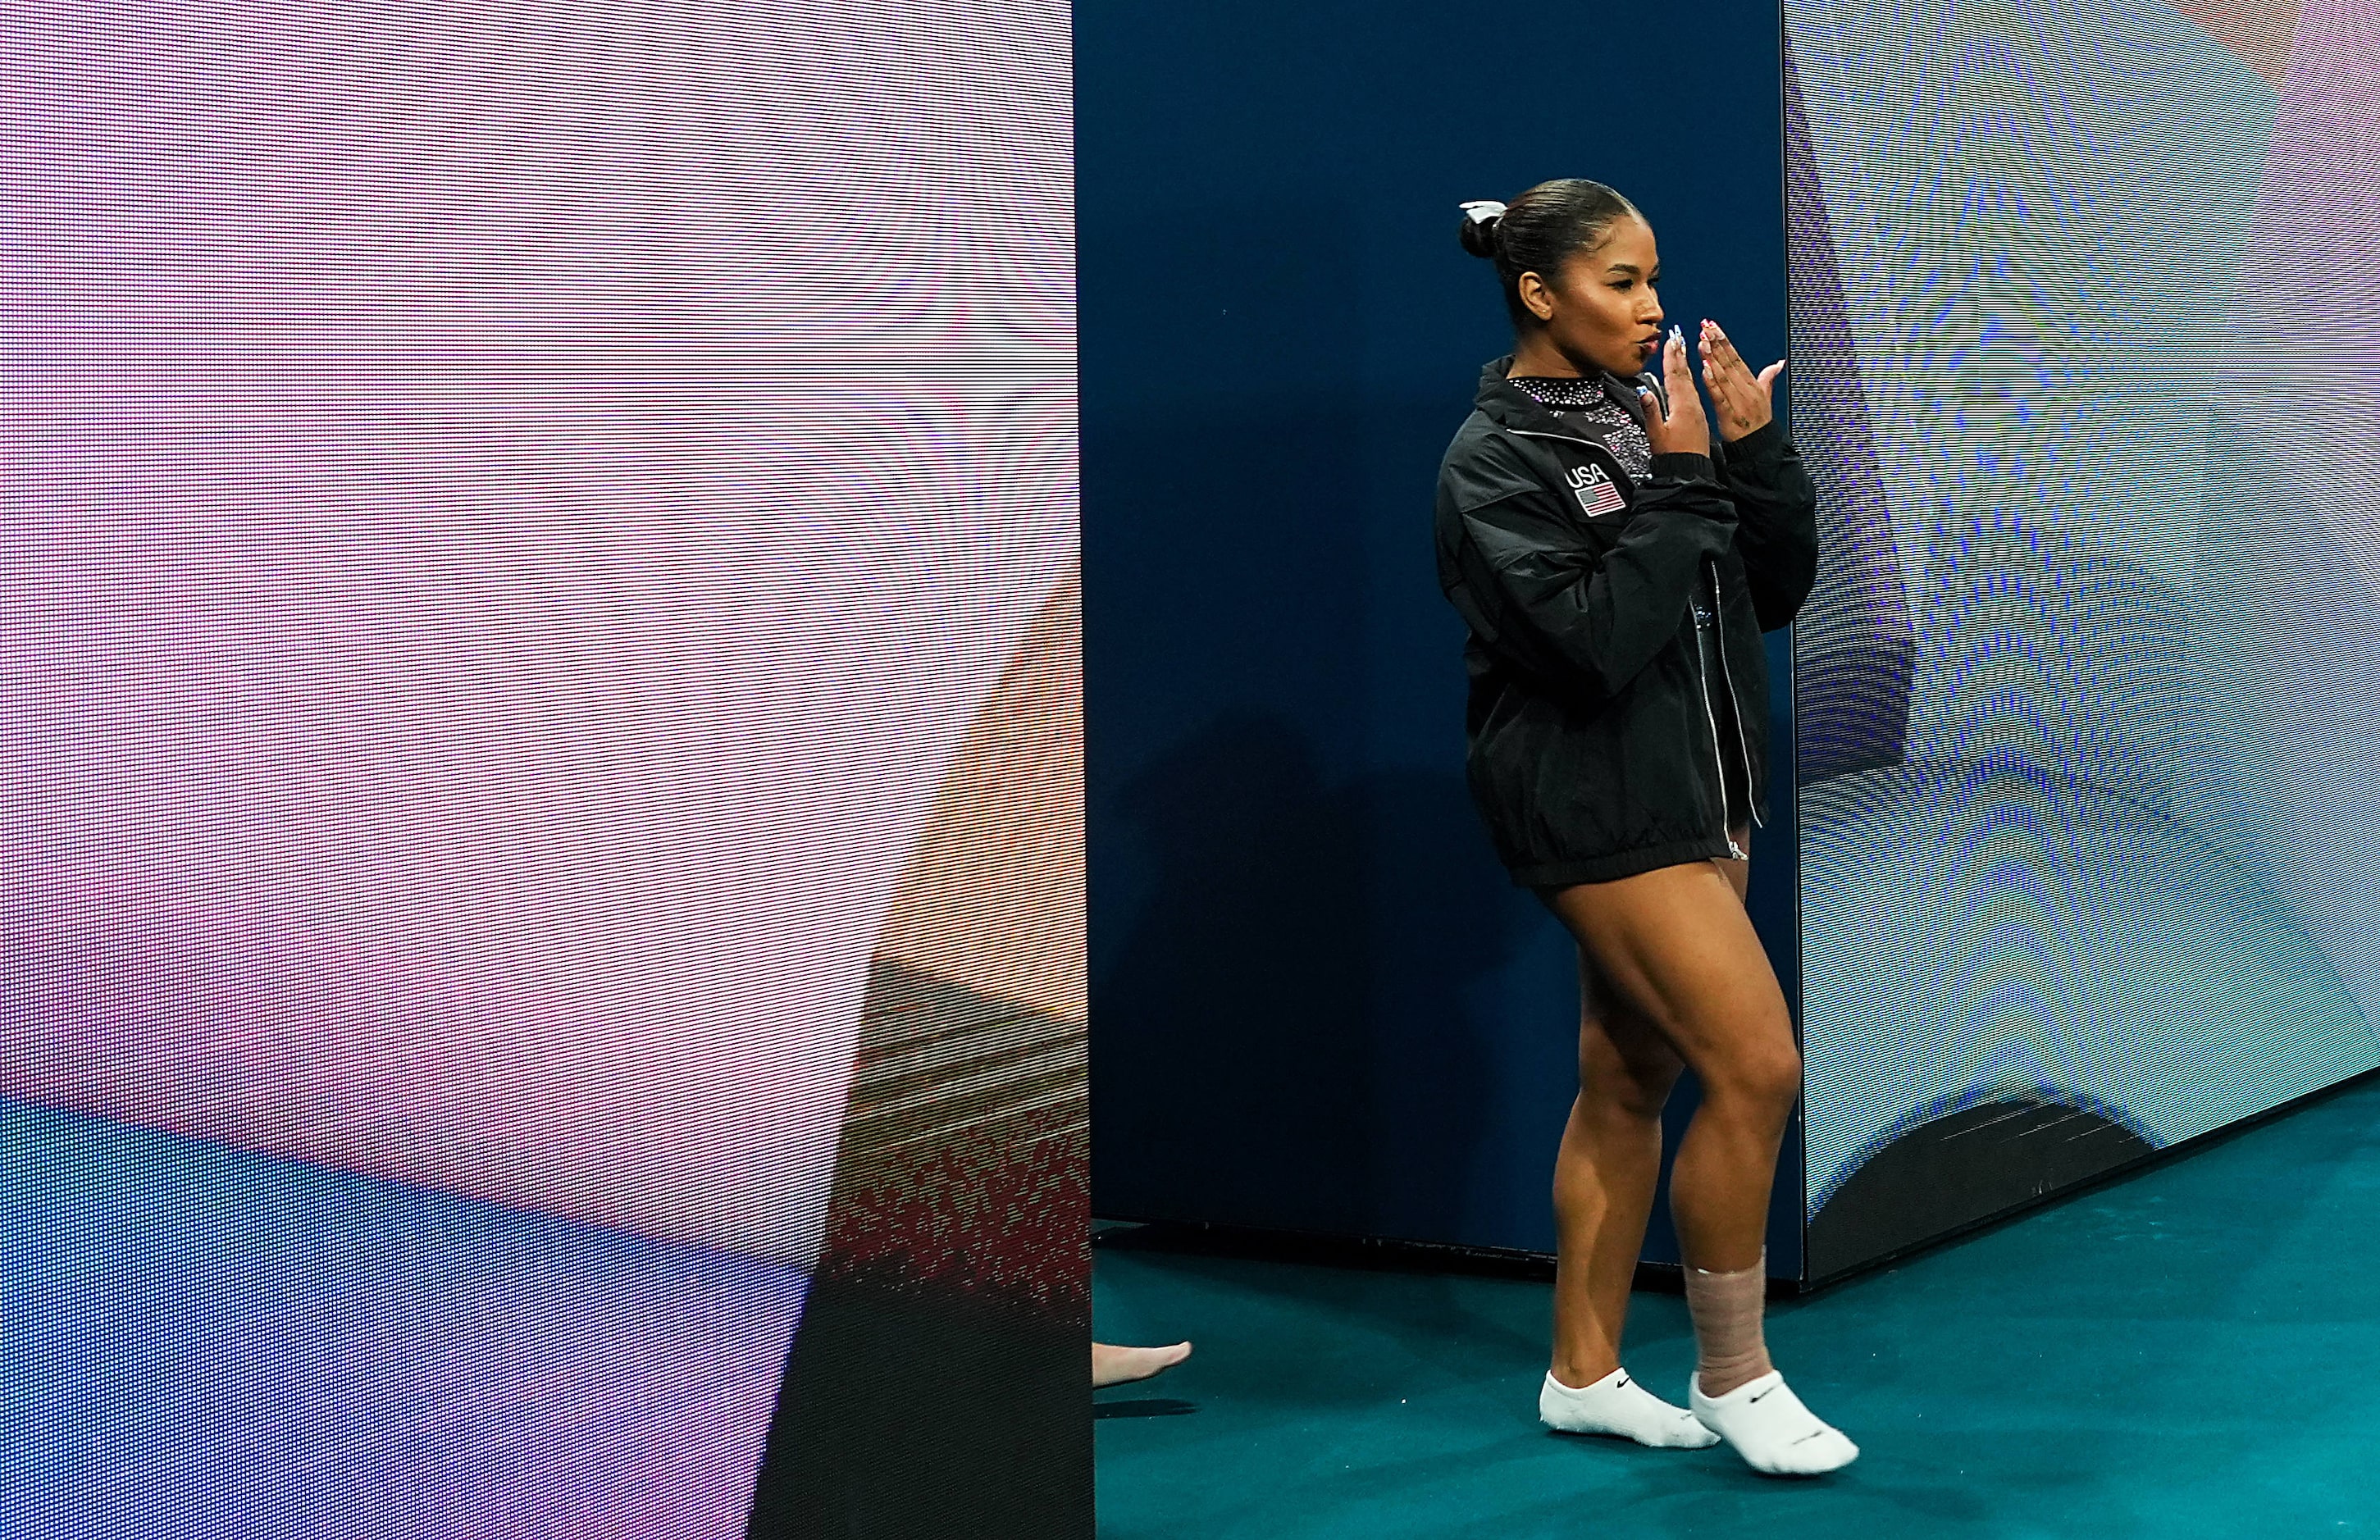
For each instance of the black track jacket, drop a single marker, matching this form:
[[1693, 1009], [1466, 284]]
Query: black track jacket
[[1603, 739]]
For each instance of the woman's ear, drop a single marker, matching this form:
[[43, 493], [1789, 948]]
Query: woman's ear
[[1535, 295]]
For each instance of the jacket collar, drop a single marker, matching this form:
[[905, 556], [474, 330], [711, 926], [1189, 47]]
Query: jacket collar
[[1508, 405]]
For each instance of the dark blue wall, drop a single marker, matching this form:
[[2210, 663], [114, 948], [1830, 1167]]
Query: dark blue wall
[[1316, 1001]]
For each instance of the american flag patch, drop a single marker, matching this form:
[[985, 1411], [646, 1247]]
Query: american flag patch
[[1596, 493]]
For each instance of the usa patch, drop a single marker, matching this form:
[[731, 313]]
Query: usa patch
[[1596, 493]]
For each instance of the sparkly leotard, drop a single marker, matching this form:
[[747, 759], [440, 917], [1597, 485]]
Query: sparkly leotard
[[1589, 400]]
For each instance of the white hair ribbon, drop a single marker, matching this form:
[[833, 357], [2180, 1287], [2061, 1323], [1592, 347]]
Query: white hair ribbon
[[1483, 210]]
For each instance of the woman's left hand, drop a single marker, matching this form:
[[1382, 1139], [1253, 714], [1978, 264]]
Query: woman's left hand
[[1740, 400]]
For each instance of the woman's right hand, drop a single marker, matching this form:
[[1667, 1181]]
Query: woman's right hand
[[1686, 428]]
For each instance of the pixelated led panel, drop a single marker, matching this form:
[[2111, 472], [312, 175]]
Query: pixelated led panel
[[2087, 293], [207, 1344], [957, 1242], [966, 1152], [511, 516]]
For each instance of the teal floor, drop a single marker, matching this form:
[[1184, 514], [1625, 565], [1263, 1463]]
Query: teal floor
[[2194, 1352]]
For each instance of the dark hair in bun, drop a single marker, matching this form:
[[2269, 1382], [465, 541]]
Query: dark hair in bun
[[1478, 230], [1540, 230]]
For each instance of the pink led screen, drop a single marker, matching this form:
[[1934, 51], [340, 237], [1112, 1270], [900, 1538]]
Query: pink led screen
[[515, 517]]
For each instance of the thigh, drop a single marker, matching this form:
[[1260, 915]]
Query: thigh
[[1677, 946]]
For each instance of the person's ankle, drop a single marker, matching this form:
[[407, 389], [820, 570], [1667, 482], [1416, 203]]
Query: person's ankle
[[1718, 1377], [1577, 1373]]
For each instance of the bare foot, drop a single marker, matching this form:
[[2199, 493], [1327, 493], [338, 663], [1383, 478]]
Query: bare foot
[[1112, 1365]]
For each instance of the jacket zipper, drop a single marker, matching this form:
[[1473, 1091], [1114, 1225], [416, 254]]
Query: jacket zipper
[[1734, 701], [1719, 759], [1710, 715]]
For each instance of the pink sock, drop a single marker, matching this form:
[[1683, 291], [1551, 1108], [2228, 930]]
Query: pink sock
[[1726, 1309]]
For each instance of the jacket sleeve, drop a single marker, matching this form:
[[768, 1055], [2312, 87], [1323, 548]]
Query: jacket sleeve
[[1585, 613], [1777, 532]]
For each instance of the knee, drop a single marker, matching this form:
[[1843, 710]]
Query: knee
[[1768, 1080]]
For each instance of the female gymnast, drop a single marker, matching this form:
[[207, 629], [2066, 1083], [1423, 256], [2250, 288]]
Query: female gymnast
[[1616, 567]]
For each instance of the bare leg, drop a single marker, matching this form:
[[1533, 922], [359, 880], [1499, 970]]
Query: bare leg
[[1678, 947], [1604, 1177], [1738, 877]]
